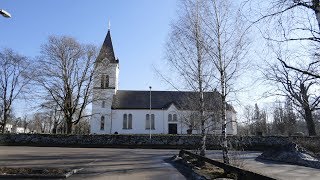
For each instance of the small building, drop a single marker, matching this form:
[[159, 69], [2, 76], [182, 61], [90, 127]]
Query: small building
[[8, 128], [144, 112]]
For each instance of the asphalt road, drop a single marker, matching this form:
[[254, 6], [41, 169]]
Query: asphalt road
[[95, 163], [108, 163]]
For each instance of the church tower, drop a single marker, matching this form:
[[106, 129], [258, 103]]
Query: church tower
[[105, 86]]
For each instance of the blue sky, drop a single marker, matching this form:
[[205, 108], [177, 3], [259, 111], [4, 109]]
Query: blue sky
[[139, 30]]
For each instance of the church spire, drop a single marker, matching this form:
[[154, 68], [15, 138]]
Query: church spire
[[106, 51]]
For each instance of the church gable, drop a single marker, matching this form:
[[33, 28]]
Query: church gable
[[172, 107]]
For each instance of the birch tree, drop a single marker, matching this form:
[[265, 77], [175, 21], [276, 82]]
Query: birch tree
[[187, 56], [227, 47], [207, 47]]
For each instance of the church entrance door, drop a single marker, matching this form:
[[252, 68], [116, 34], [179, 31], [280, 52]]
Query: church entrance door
[[172, 128]]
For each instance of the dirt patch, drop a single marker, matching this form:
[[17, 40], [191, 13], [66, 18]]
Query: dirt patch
[[35, 172], [207, 170]]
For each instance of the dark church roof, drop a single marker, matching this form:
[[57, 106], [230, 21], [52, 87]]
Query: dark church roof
[[183, 100], [106, 50]]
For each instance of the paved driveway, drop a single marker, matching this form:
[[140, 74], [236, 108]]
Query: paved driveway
[[276, 170], [108, 163], [96, 163]]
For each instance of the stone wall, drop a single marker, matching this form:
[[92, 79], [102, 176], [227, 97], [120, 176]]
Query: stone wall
[[157, 141]]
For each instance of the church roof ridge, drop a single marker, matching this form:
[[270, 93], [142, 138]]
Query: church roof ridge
[[184, 100], [174, 91]]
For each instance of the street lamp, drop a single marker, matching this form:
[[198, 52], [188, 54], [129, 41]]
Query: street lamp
[[150, 119], [5, 13]]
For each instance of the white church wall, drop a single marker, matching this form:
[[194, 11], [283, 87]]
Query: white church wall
[[102, 101], [99, 110], [95, 123], [138, 121], [161, 122]]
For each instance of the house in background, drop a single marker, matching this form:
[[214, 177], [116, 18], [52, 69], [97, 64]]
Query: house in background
[[10, 128], [129, 111]]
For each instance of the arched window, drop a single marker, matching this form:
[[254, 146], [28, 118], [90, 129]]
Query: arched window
[[102, 123], [102, 81], [152, 121], [174, 117], [169, 117], [130, 121], [125, 122], [107, 81], [147, 121]]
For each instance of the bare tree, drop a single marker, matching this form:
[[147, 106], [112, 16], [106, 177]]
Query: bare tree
[[188, 57], [14, 78], [227, 47], [83, 127], [38, 123], [55, 114], [207, 45], [300, 88], [278, 125], [260, 121], [248, 115], [66, 70], [295, 24], [284, 118]]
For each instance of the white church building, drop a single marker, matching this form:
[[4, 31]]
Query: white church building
[[142, 112]]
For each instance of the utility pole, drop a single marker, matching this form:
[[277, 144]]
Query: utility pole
[[150, 119]]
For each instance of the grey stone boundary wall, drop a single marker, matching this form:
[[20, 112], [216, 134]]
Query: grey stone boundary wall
[[157, 141]]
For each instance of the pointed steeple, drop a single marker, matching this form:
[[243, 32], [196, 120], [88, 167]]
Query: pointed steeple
[[106, 51]]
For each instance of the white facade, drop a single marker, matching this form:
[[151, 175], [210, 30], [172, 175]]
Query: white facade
[[107, 120], [101, 106], [116, 119], [9, 128]]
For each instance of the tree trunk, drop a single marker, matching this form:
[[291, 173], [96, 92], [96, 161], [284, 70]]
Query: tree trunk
[[224, 121], [203, 131], [310, 122], [307, 111], [54, 129], [69, 125], [316, 9], [4, 121], [2, 128], [200, 81]]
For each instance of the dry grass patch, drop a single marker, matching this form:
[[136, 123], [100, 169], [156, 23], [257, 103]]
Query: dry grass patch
[[33, 171], [208, 170]]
